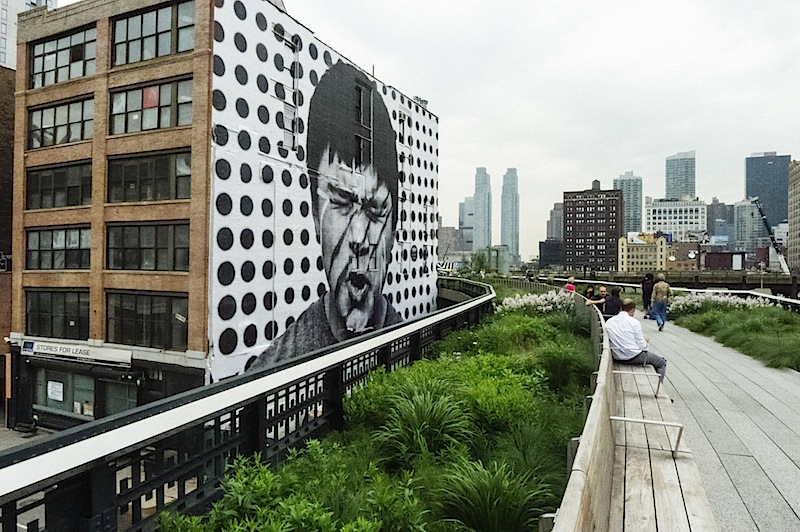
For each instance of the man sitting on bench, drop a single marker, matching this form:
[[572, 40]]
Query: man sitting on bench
[[627, 342]]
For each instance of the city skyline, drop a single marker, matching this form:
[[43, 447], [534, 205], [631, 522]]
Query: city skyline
[[590, 95]]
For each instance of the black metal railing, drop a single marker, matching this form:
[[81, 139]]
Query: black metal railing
[[119, 472]]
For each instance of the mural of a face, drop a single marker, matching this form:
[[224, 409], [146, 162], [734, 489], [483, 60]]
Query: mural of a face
[[352, 159], [354, 214]]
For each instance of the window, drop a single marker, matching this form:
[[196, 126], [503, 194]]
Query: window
[[57, 314], [76, 392], [154, 107], [69, 122], [59, 249], [63, 186], [68, 57], [154, 33], [150, 178], [148, 319], [148, 247]]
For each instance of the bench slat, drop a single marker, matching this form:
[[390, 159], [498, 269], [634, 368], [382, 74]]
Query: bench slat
[[639, 503], [670, 509], [617, 510]]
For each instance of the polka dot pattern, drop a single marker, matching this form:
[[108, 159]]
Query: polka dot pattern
[[265, 252]]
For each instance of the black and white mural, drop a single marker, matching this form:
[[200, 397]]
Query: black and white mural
[[325, 195]]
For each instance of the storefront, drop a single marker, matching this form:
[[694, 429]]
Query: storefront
[[62, 385]]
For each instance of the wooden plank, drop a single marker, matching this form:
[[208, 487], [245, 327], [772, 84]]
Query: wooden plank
[[616, 513], [619, 409], [670, 509], [639, 502], [657, 437]]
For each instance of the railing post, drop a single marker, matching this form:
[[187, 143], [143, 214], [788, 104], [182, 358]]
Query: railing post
[[385, 357], [254, 422], [332, 404], [572, 450], [547, 522], [102, 481], [414, 352]]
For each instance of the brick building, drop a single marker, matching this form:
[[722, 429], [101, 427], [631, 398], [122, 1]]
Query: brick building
[[165, 209], [593, 224]]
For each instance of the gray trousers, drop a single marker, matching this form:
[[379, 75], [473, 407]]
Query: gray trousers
[[645, 357]]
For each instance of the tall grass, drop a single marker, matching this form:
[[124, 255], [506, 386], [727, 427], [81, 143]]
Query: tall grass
[[770, 334]]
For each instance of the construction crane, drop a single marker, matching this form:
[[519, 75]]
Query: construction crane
[[773, 242]]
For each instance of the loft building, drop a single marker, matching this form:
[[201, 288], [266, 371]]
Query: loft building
[[592, 228], [631, 187], [748, 231], [509, 215], [643, 253], [683, 219], [200, 186]]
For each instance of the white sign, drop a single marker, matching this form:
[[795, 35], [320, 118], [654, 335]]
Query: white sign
[[77, 352], [55, 390]]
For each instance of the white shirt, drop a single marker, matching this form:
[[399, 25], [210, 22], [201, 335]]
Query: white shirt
[[625, 336]]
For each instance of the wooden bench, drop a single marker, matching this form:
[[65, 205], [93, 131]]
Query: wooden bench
[[655, 483]]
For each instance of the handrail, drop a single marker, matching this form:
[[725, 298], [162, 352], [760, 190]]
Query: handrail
[[101, 475]]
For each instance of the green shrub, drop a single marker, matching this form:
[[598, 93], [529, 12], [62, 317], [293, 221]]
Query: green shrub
[[566, 364], [570, 323], [492, 499], [422, 425]]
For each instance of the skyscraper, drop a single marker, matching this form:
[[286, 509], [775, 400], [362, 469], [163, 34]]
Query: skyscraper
[[680, 175], [482, 234], [631, 187], [767, 176], [509, 215], [555, 225]]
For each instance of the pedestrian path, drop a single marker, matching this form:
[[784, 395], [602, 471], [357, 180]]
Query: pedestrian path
[[742, 423]]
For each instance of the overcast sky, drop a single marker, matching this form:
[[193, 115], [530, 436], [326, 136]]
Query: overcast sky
[[568, 91]]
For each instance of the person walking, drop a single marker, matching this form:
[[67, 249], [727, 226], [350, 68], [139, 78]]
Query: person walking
[[661, 294], [647, 294], [628, 344]]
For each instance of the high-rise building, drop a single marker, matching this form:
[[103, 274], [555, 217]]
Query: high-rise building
[[683, 219], [482, 229], [793, 251], [631, 187], [197, 186], [767, 176], [555, 225], [8, 27], [748, 228], [509, 215], [592, 228], [466, 224], [680, 176]]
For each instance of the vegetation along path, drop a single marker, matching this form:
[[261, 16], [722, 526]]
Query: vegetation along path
[[742, 423]]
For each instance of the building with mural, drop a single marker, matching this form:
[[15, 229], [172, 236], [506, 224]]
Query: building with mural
[[205, 189]]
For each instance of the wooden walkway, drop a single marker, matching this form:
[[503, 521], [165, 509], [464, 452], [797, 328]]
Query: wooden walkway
[[742, 424]]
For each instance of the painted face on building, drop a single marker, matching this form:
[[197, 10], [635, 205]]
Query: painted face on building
[[354, 223]]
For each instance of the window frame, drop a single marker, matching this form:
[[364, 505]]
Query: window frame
[[47, 309], [47, 254], [61, 49], [131, 104], [133, 33], [138, 324], [61, 120], [164, 252], [142, 169], [36, 198]]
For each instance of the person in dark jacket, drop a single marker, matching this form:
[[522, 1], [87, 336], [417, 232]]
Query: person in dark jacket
[[613, 303], [647, 294]]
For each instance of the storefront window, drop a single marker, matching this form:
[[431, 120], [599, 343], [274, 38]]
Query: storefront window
[[65, 392]]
